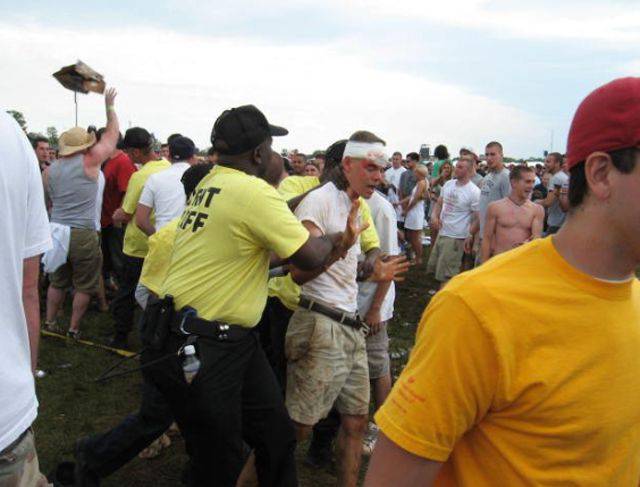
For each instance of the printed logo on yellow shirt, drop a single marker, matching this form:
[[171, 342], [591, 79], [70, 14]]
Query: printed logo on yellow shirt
[[194, 218]]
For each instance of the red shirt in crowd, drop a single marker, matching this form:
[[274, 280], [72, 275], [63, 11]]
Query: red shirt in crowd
[[117, 172]]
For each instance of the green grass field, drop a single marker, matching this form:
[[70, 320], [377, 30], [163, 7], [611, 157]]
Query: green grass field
[[72, 404]]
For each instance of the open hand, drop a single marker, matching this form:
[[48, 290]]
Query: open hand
[[353, 229], [390, 268], [110, 96]]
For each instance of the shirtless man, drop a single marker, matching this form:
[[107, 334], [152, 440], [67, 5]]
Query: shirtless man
[[513, 220]]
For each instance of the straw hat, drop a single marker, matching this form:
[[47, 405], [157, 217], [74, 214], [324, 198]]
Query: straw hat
[[75, 140]]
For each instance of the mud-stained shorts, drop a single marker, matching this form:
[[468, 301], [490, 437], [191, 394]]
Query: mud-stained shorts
[[445, 259], [378, 353], [19, 464], [326, 364], [84, 263]]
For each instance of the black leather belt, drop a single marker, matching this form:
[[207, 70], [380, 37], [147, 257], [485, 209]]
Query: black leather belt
[[186, 322], [336, 315]]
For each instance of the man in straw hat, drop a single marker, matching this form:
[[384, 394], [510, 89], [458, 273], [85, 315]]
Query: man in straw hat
[[541, 384], [72, 183]]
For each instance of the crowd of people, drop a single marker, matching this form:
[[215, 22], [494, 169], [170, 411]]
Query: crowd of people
[[265, 285]]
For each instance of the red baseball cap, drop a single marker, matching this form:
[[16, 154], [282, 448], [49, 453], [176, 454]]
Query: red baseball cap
[[608, 119]]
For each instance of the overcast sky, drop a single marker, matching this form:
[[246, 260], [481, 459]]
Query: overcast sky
[[459, 72]]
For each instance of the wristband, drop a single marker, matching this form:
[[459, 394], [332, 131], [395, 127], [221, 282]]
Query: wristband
[[111, 108]]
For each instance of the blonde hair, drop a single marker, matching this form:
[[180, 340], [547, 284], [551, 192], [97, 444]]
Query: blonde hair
[[422, 170]]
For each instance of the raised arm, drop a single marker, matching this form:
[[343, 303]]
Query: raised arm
[[103, 149], [552, 194], [320, 251]]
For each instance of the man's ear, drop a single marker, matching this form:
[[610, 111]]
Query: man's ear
[[257, 153], [597, 168], [347, 162]]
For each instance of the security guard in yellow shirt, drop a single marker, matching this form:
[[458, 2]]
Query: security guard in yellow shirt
[[214, 294]]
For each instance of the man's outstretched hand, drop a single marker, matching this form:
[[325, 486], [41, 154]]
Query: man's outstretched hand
[[353, 229], [110, 97], [390, 268]]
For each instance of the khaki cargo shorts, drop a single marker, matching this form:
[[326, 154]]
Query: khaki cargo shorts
[[19, 464], [446, 258], [84, 263], [326, 364], [378, 353]]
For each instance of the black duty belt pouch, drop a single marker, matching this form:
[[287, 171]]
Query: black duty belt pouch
[[156, 322]]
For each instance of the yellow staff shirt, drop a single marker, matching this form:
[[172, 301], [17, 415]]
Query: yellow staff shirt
[[525, 372], [156, 263], [220, 259], [135, 240], [292, 186]]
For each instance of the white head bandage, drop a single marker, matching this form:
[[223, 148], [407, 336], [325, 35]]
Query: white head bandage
[[371, 151]]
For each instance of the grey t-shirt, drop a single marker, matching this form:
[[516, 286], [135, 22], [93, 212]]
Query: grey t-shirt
[[408, 181], [556, 216], [495, 186], [477, 180]]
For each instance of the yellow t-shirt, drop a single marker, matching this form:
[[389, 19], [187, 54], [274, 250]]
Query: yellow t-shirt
[[293, 186], [135, 240], [525, 372], [220, 260], [156, 263], [283, 287]]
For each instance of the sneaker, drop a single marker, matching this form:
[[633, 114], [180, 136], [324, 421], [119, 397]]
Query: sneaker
[[370, 438], [119, 341], [52, 326], [74, 334]]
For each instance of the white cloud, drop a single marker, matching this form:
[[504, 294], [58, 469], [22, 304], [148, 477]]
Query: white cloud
[[609, 22], [172, 82], [604, 21]]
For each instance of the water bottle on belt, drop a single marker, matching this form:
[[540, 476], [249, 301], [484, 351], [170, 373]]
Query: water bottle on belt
[[191, 364]]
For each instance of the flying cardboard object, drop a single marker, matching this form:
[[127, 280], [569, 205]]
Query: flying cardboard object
[[80, 78]]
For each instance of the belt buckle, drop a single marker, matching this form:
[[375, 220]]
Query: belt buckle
[[189, 312], [310, 304]]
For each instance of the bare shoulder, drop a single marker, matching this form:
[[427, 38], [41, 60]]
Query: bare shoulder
[[498, 205], [534, 207]]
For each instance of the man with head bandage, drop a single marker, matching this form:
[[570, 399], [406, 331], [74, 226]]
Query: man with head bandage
[[325, 342]]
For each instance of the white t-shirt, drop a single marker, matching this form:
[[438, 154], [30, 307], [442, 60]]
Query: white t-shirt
[[99, 197], [392, 176], [392, 197], [384, 219], [328, 209], [555, 217], [25, 234], [164, 192], [458, 205]]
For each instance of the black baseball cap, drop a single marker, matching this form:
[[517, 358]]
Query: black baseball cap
[[242, 129], [137, 138], [181, 148]]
